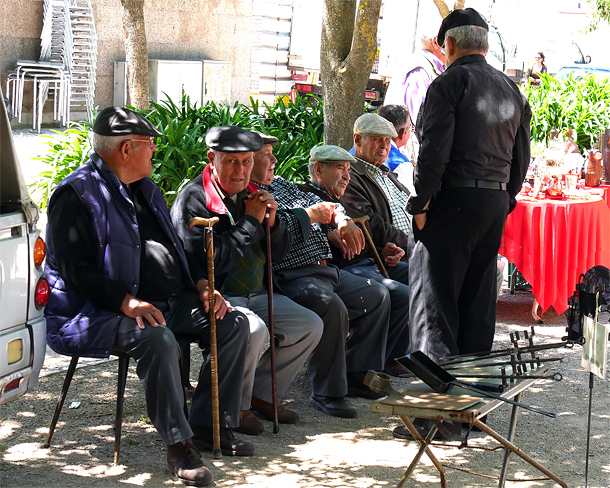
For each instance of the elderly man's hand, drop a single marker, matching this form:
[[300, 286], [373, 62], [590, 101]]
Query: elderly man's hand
[[335, 239], [261, 204], [221, 306], [352, 236], [322, 212], [392, 254], [140, 310]]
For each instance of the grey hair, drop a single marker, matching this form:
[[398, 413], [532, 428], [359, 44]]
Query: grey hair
[[310, 168], [105, 144], [469, 37]]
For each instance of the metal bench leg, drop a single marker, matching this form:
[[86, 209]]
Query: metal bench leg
[[62, 399], [120, 396]]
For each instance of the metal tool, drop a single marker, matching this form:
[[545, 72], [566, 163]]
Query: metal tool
[[441, 380], [209, 242], [276, 425], [505, 352]]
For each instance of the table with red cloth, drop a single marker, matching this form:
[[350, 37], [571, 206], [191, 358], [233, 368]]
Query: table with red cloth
[[551, 242]]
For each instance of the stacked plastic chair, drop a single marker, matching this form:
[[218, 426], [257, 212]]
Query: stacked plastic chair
[[67, 65]]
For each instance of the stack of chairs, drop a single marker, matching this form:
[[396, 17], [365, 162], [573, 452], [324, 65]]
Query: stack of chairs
[[66, 69]]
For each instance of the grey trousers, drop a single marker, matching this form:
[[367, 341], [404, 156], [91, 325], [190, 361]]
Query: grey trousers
[[297, 333], [397, 285], [157, 355], [355, 312]]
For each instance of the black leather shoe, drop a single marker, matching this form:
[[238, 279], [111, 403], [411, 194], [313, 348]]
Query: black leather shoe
[[184, 464], [229, 444], [357, 388], [335, 406]]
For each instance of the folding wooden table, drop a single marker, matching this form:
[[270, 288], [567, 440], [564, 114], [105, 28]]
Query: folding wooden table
[[458, 405]]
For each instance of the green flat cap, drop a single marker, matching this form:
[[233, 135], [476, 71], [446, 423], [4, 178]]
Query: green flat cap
[[330, 154], [374, 125], [267, 139]]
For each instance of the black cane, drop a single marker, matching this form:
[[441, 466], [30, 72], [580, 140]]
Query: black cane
[[276, 425]]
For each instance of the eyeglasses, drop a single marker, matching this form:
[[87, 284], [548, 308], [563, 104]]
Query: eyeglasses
[[150, 142]]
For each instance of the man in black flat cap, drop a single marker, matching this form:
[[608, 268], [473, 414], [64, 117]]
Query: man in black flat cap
[[474, 153], [120, 281], [240, 267]]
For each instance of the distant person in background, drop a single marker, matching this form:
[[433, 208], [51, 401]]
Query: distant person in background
[[533, 74], [410, 83], [399, 163]]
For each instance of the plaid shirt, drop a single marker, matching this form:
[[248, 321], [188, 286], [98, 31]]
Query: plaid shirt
[[397, 199], [310, 244]]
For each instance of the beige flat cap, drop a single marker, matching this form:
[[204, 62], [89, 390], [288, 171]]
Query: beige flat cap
[[374, 125], [268, 139], [330, 154]]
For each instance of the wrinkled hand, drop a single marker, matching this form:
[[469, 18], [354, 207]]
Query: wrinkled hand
[[261, 204], [392, 254], [221, 306], [321, 213], [140, 310], [352, 237], [335, 239]]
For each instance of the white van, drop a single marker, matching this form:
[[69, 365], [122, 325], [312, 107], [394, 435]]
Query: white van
[[23, 289]]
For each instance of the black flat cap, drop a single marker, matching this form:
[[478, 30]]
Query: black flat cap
[[119, 121], [457, 18], [230, 138]]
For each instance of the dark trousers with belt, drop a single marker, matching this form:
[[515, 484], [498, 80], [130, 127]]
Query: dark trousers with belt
[[453, 272], [355, 312]]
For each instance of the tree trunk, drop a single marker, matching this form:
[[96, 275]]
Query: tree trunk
[[441, 5], [136, 54], [346, 57]]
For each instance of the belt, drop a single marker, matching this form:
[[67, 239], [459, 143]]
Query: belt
[[321, 262], [489, 185]]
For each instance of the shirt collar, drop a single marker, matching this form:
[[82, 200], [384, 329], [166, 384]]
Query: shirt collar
[[469, 58], [375, 170]]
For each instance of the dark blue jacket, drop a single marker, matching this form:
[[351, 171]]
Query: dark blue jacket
[[76, 327]]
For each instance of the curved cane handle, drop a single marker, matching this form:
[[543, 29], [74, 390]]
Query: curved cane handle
[[201, 221]]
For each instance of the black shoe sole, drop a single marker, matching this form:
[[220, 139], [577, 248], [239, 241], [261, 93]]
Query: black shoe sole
[[348, 414]]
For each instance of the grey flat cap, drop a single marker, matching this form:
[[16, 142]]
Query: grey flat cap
[[330, 154], [120, 121], [267, 139], [374, 125], [230, 138]]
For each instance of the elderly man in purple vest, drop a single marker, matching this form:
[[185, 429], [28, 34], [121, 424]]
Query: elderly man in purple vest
[[120, 280]]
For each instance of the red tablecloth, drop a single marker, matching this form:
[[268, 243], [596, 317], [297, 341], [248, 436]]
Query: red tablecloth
[[602, 190], [553, 241]]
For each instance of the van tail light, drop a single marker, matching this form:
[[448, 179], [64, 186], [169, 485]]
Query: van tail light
[[40, 251], [12, 385], [41, 295]]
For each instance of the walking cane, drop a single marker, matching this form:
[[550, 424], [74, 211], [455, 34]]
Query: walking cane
[[209, 241], [276, 425], [360, 222]]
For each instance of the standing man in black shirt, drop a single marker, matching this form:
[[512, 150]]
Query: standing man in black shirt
[[474, 153]]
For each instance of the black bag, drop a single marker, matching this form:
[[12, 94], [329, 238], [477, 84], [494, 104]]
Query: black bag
[[582, 303]]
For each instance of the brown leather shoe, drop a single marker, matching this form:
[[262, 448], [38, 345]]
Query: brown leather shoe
[[249, 424], [284, 415], [184, 464], [229, 444]]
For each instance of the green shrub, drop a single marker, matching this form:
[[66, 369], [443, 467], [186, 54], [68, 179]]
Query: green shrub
[[67, 151], [181, 151], [582, 104]]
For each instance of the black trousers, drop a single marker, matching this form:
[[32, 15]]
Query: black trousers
[[453, 272]]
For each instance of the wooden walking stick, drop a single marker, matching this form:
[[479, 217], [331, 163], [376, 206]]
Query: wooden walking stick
[[209, 242], [276, 425], [360, 222]]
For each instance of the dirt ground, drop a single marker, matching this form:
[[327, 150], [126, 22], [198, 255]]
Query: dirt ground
[[320, 451]]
